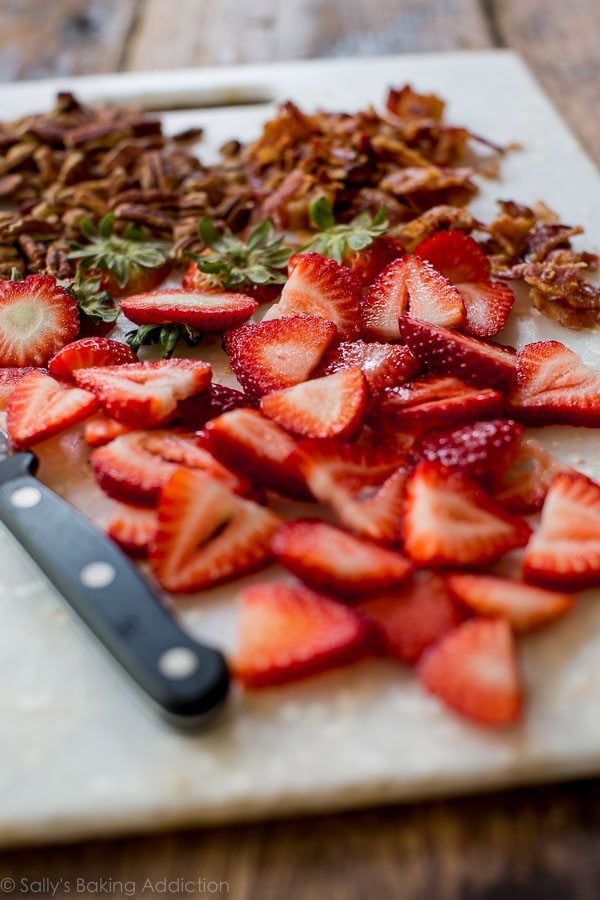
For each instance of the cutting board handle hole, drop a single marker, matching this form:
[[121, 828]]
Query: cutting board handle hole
[[192, 98]]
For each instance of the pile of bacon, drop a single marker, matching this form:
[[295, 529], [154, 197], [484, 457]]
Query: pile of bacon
[[77, 161]]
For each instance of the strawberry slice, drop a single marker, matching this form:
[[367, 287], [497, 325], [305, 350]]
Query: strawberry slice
[[481, 450], [88, 352], [40, 407], [37, 318], [204, 310], [329, 559], [434, 401], [206, 535], [99, 430], [448, 352], [456, 255], [332, 406], [565, 551], [488, 305], [9, 378], [318, 286], [524, 607], [279, 353], [524, 487], [143, 394], [136, 466], [258, 448], [413, 616], [384, 303], [289, 632], [369, 262], [196, 411], [383, 365], [555, 387], [475, 671], [450, 521], [133, 528], [432, 297], [363, 486]]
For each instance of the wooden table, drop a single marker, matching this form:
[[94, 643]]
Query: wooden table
[[540, 843]]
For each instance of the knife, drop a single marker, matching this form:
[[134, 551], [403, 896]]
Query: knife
[[187, 680]]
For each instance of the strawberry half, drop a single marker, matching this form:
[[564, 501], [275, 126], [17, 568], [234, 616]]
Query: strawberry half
[[565, 551], [384, 303], [206, 535], [40, 407], [133, 528], [196, 411], [363, 486], [88, 352], [288, 633], [318, 286], [136, 466], [487, 305], [555, 387], [99, 430], [450, 521], [37, 318], [206, 311], [475, 671], [448, 352], [456, 255], [9, 378], [481, 450], [383, 365], [332, 406], [434, 401], [524, 486], [143, 394], [258, 448], [279, 353], [413, 616], [432, 297], [524, 607], [329, 559]]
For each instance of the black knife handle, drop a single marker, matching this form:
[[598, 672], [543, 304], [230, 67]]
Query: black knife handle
[[186, 679]]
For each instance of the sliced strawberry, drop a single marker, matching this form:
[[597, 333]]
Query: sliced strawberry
[[524, 607], [413, 616], [288, 633], [456, 255], [363, 486], [370, 261], [207, 535], [434, 401], [99, 430], [432, 297], [384, 303], [450, 521], [448, 352], [555, 387], [383, 365], [524, 486], [88, 352], [256, 447], [481, 450], [279, 353], [206, 311], [40, 407], [37, 318], [143, 394], [196, 411], [475, 670], [565, 551], [332, 406], [135, 466], [133, 528], [329, 559], [488, 305], [11, 377], [318, 286]]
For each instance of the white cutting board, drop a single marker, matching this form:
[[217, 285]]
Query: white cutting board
[[81, 755]]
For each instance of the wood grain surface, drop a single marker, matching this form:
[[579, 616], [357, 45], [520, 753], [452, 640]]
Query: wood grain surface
[[538, 844]]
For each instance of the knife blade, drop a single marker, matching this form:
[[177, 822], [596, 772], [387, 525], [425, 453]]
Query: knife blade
[[186, 679]]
